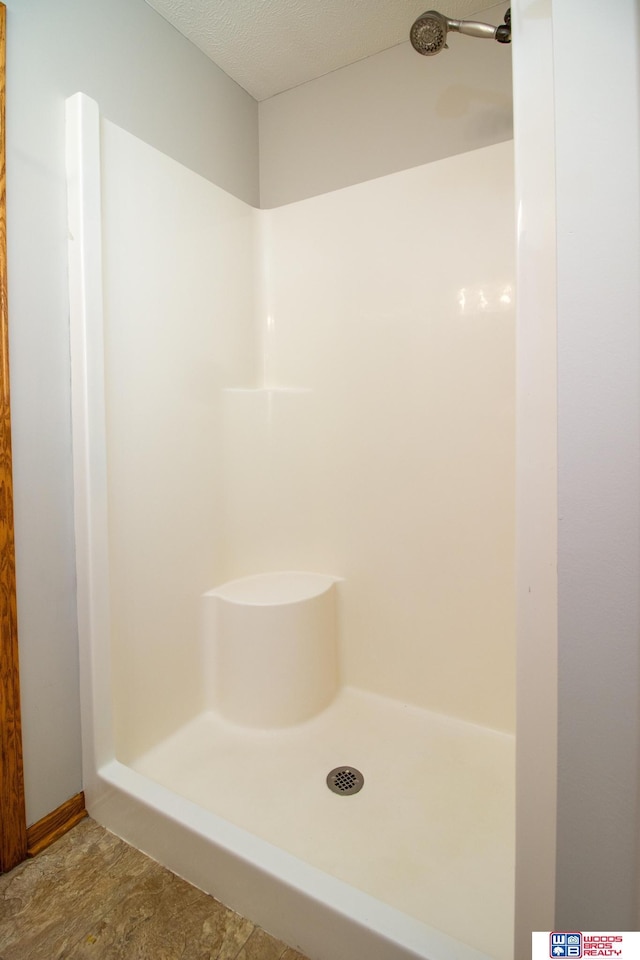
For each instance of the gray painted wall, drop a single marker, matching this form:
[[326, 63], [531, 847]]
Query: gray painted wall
[[598, 258], [389, 112], [150, 80]]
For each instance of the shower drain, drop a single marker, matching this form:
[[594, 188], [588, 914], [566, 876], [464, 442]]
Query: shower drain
[[345, 780]]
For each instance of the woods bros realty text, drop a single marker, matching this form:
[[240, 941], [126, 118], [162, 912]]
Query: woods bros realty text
[[577, 944]]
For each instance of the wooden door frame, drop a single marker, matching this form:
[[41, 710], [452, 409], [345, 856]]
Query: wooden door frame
[[13, 824]]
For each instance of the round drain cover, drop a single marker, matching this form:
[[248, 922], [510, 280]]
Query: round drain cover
[[345, 780]]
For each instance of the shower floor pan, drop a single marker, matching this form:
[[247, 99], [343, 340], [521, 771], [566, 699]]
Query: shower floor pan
[[418, 863]]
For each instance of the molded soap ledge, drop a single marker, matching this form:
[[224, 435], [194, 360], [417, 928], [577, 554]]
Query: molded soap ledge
[[271, 647]]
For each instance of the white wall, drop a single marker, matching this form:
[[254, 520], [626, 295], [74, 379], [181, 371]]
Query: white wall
[[598, 261], [593, 882], [155, 83], [385, 113]]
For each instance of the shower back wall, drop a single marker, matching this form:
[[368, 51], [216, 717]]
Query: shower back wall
[[326, 386], [393, 306]]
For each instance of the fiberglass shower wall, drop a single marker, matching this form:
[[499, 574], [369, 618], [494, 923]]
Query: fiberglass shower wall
[[326, 386], [383, 452], [179, 292]]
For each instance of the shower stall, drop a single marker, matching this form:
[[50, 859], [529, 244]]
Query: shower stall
[[294, 445]]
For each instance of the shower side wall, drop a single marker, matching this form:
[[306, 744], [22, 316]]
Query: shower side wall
[[179, 259]]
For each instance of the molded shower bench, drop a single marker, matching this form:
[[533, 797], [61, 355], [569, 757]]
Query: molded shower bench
[[271, 647]]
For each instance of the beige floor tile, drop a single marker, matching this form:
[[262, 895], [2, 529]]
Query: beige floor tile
[[139, 928], [90, 895], [47, 910], [44, 904], [261, 946]]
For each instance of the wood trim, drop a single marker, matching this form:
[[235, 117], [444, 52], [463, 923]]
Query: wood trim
[[13, 826], [43, 833]]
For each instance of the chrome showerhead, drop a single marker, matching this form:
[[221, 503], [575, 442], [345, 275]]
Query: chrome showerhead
[[429, 32]]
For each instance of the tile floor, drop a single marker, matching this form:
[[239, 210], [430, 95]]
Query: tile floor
[[90, 895]]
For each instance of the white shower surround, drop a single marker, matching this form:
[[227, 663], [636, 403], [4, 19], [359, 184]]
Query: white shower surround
[[324, 387], [277, 890]]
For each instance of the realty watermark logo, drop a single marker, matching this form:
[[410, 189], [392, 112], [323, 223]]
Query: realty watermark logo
[[565, 944], [575, 944], [547, 945]]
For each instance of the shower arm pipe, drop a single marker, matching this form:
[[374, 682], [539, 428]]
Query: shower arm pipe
[[473, 28], [485, 31]]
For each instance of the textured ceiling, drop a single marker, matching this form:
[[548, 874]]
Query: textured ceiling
[[268, 46]]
